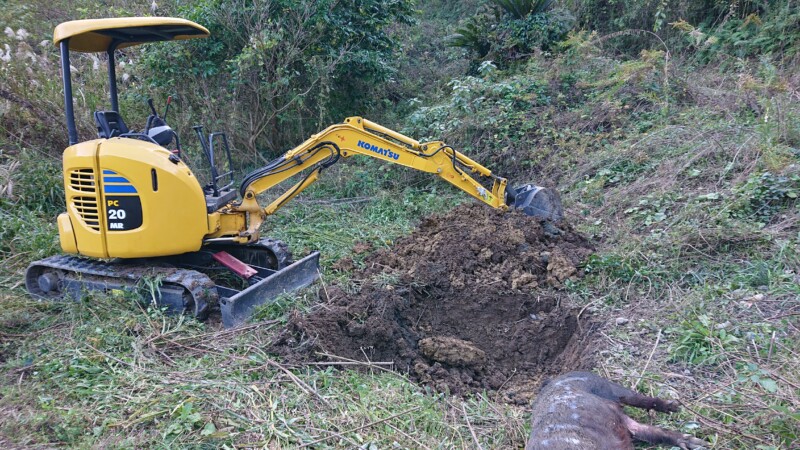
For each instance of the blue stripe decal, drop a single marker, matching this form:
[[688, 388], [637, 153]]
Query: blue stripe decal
[[115, 180], [114, 189], [109, 172]]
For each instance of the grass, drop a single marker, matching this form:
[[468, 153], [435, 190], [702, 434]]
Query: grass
[[140, 379], [137, 378], [697, 242]]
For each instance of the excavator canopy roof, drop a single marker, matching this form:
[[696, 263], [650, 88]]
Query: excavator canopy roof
[[97, 35]]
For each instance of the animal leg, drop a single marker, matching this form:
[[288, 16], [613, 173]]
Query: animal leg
[[620, 394], [657, 435], [638, 400]]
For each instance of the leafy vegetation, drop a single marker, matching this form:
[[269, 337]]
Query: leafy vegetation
[[719, 29], [765, 195], [670, 128], [525, 28], [286, 68], [520, 9]]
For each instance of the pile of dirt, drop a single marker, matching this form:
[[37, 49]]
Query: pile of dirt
[[469, 302]]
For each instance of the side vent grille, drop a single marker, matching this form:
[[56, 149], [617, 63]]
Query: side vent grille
[[85, 206], [83, 180]]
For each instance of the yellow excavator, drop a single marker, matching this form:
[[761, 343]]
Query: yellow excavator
[[136, 213]]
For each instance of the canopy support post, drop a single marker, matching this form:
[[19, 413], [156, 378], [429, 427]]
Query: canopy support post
[[67, 79], [112, 77]]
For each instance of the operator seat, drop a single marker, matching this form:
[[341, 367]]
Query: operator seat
[[109, 124]]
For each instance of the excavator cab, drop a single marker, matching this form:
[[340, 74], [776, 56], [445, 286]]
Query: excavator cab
[[127, 187], [107, 36]]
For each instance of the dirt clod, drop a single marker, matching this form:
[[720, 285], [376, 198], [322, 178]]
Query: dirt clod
[[470, 301], [559, 268], [453, 351]]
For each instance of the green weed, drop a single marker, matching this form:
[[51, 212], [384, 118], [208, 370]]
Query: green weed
[[701, 340], [278, 308], [765, 195]]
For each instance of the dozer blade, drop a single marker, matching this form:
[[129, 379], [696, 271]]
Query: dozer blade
[[539, 202], [237, 308]]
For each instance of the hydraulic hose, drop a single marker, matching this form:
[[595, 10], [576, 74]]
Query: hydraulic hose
[[280, 165]]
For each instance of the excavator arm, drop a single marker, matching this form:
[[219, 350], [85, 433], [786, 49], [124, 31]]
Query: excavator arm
[[358, 136]]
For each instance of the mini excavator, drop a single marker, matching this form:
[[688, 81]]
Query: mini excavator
[[136, 213]]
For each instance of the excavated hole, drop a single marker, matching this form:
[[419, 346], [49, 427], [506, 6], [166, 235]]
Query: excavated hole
[[471, 301]]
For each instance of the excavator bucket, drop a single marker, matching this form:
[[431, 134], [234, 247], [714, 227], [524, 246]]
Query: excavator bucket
[[537, 201], [238, 306]]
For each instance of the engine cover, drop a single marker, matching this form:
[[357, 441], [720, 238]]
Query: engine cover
[[127, 198]]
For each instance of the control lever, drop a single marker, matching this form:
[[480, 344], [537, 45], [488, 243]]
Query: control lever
[[166, 109]]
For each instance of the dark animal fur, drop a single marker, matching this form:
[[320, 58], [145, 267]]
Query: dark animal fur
[[580, 410]]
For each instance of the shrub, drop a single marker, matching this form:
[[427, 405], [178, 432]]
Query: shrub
[[766, 194], [535, 31], [607, 17], [473, 35], [521, 9], [604, 16], [774, 33], [505, 38], [481, 108], [275, 72]]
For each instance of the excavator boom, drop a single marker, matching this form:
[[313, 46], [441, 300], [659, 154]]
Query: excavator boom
[[357, 136]]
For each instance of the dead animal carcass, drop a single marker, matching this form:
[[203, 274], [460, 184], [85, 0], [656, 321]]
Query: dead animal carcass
[[580, 410]]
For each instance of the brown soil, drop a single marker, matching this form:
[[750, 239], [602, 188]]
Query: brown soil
[[469, 302]]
